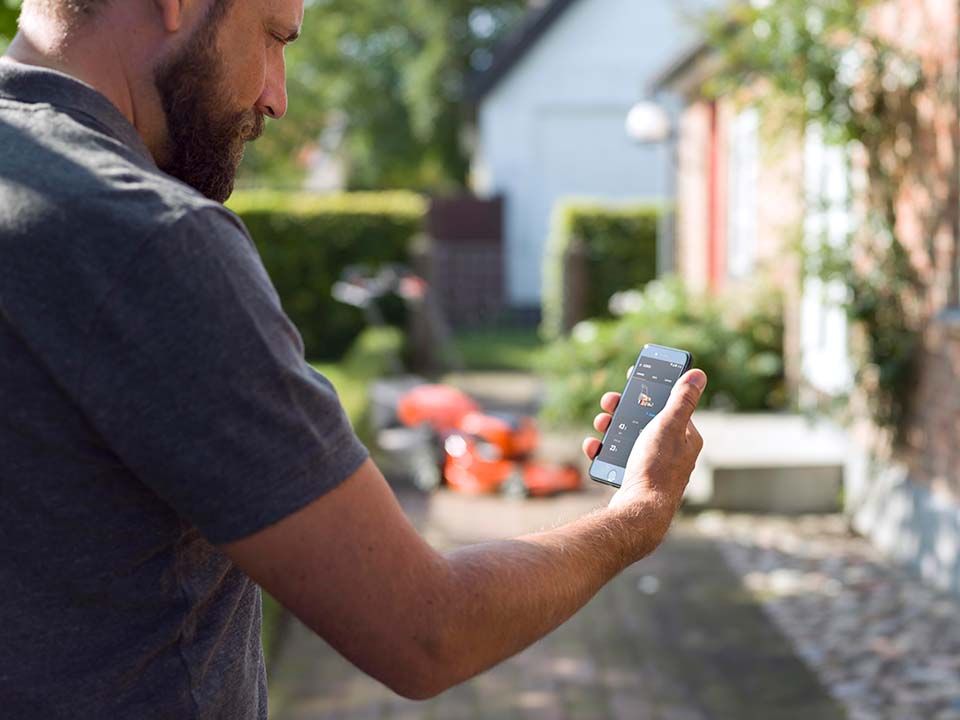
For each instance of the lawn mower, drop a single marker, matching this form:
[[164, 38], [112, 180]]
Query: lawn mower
[[437, 434]]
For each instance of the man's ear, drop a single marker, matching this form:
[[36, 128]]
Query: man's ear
[[172, 12]]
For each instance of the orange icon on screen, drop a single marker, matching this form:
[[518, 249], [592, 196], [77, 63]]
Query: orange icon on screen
[[645, 400]]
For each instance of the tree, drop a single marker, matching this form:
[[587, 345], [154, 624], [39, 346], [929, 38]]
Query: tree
[[9, 10], [394, 74]]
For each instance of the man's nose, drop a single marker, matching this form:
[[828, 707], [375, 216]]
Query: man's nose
[[273, 100]]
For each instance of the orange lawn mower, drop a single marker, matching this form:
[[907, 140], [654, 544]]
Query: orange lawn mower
[[437, 434], [484, 452]]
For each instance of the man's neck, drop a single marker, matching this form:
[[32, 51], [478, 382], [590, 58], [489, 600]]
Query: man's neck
[[95, 59]]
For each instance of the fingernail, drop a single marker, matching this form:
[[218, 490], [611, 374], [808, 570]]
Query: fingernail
[[698, 379]]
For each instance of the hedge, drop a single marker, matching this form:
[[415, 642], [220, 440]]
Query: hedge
[[595, 250], [307, 240]]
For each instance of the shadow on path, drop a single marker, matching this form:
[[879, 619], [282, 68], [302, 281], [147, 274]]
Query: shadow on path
[[676, 637]]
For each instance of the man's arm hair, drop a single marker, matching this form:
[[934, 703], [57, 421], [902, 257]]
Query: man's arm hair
[[352, 568]]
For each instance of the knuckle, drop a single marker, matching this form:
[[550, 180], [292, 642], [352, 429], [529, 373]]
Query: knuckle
[[695, 435]]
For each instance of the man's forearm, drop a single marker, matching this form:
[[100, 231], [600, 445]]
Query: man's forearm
[[505, 595]]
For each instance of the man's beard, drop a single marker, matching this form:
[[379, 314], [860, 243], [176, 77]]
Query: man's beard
[[205, 140]]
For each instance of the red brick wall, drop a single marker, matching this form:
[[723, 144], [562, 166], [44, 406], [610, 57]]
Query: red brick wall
[[692, 186], [934, 435], [928, 203], [928, 211]]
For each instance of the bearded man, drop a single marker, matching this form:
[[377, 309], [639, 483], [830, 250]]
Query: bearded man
[[165, 450]]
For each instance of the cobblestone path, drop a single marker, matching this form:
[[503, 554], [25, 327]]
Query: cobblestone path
[[884, 643]]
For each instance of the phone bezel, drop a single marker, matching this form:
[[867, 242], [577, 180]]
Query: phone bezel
[[658, 352]]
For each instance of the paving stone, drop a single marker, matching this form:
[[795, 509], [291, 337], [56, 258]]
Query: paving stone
[[882, 642], [676, 637]]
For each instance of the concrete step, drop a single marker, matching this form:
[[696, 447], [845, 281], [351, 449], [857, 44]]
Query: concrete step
[[769, 462]]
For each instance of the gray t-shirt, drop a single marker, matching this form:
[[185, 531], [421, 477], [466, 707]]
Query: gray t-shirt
[[155, 403]]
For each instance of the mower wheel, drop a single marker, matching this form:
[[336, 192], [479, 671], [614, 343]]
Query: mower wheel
[[514, 487], [426, 475]]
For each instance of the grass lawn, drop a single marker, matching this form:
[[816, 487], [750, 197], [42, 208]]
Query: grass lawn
[[500, 349], [272, 615], [351, 387]]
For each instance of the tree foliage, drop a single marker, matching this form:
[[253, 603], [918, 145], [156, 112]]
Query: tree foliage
[[9, 10], [387, 82]]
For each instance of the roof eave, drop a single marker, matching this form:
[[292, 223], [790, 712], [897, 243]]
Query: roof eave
[[686, 72], [514, 48]]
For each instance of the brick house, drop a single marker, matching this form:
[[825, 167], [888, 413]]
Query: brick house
[[746, 198]]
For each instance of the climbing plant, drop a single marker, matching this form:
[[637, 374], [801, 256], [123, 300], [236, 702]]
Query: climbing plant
[[827, 63]]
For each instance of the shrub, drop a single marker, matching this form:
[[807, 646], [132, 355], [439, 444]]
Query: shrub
[[306, 241], [616, 249], [738, 342]]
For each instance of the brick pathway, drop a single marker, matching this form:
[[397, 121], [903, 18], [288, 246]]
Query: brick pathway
[[676, 637]]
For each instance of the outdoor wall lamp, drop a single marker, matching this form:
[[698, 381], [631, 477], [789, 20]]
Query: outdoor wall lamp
[[649, 123]]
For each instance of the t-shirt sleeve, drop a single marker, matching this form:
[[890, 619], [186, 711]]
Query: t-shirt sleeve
[[196, 379]]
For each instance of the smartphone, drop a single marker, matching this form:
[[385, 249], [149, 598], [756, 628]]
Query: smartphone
[[656, 372]]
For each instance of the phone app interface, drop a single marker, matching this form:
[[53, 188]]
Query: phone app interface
[[645, 396]]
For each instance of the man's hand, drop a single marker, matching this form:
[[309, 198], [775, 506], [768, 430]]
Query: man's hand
[[663, 457]]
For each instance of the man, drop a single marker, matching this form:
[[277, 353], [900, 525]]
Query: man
[[164, 446]]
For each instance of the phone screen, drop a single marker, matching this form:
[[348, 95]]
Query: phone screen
[[645, 395]]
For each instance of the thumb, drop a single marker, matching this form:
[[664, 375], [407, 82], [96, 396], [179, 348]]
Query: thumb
[[684, 398]]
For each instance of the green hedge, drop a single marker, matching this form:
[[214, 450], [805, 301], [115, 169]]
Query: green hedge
[[736, 340], [618, 244], [307, 240]]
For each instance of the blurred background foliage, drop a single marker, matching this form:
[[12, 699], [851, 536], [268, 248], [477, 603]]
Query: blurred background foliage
[[595, 249], [307, 242], [384, 84], [9, 10], [737, 340]]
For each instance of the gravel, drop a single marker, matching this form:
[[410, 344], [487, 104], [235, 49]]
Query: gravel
[[884, 644]]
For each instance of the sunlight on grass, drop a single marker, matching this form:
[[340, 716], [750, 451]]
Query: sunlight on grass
[[516, 349]]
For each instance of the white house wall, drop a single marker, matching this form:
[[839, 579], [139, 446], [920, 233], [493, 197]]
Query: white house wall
[[554, 126]]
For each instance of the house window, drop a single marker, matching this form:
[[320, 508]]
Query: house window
[[744, 180], [828, 222]]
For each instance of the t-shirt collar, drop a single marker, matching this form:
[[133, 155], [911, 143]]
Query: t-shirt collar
[[35, 84]]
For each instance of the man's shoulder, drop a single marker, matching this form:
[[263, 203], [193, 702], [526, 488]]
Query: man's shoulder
[[164, 203], [66, 171], [138, 198], [79, 208]]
